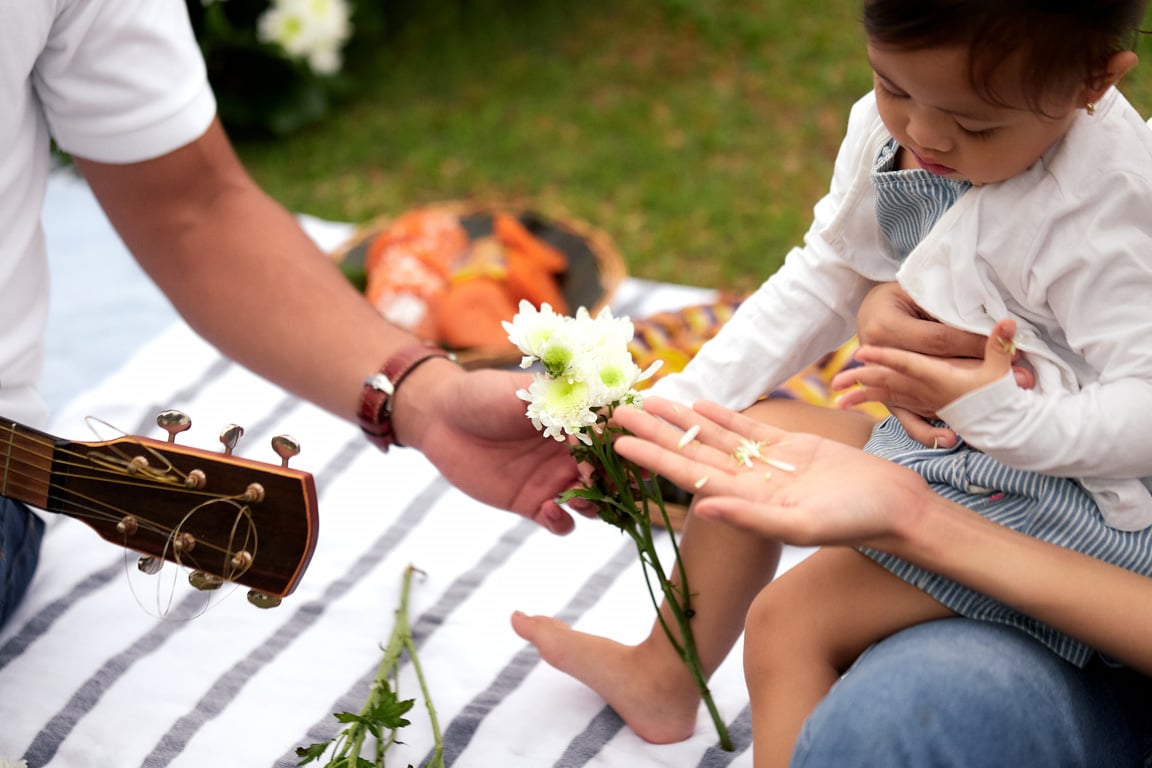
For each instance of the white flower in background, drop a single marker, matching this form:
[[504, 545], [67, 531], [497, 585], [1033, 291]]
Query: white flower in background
[[6, 763], [587, 367], [313, 30]]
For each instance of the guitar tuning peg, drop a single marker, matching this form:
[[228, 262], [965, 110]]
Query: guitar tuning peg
[[205, 582], [173, 422], [285, 447], [262, 599], [149, 564], [229, 436]]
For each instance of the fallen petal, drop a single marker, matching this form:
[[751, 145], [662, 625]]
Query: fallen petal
[[688, 436]]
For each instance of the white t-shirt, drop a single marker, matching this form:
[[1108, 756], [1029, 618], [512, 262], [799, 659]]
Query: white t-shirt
[[115, 81]]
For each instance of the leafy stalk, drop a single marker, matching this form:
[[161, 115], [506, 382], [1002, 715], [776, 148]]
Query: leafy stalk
[[383, 712]]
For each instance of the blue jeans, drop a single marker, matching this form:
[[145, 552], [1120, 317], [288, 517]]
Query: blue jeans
[[967, 693], [20, 534]]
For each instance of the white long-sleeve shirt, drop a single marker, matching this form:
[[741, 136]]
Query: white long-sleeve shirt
[[1065, 248]]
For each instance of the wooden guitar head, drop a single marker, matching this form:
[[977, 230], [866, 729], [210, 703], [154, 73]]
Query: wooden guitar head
[[224, 517]]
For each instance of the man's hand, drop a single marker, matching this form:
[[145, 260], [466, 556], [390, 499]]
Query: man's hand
[[472, 426]]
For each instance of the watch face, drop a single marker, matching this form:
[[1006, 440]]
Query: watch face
[[375, 412], [380, 383]]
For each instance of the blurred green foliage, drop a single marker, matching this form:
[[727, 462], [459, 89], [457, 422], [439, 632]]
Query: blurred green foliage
[[697, 133]]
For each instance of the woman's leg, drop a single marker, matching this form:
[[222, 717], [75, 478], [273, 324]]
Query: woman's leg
[[647, 684], [970, 694]]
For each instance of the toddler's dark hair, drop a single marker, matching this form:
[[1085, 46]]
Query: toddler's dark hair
[[1064, 43]]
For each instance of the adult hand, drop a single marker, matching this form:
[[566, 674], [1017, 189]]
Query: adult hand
[[895, 375], [800, 489], [472, 426], [832, 494], [888, 317]]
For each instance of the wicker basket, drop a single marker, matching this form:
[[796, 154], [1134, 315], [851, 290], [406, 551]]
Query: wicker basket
[[594, 269]]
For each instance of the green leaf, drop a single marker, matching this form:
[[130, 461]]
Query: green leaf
[[388, 711], [312, 752]]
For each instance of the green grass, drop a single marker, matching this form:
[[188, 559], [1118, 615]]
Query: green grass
[[697, 133]]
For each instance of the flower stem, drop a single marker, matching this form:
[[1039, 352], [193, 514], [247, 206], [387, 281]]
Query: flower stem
[[621, 482], [679, 599], [381, 715]]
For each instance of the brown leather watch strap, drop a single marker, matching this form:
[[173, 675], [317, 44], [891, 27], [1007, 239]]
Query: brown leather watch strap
[[375, 412]]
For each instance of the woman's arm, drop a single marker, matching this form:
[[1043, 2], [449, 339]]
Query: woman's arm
[[808, 491]]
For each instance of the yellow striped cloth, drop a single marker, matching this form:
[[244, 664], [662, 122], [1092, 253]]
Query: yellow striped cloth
[[676, 336]]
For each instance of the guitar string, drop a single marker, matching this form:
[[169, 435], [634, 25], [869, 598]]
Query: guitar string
[[164, 612], [94, 508]]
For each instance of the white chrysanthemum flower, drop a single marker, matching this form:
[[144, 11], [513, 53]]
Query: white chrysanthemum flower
[[613, 332], [559, 407], [531, 329], [587, 367], [326, 59], [313, 30], [588, 371], [562, 355]]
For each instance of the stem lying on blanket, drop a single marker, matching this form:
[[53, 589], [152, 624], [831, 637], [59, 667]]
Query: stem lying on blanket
[[382, 714]]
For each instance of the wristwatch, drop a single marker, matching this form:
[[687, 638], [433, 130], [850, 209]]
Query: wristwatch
[[375, 412]]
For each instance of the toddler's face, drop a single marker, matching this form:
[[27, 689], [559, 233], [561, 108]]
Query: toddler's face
[[945, 126]]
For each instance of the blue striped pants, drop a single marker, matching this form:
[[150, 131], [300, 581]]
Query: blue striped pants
[[1053, 509]]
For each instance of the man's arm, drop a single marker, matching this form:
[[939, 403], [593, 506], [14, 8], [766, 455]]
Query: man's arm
[[245, 276], [242, 273]]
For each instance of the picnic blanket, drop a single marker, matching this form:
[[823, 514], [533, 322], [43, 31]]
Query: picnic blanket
[[106, 666]]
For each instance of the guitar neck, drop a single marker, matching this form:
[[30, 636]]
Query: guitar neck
[[26, 457]]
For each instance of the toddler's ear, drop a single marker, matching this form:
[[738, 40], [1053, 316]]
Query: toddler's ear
[[1118, 65]]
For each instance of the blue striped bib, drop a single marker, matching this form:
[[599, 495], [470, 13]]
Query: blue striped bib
[[909, 203]]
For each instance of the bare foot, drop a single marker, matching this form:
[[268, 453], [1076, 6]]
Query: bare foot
[[647, 685]]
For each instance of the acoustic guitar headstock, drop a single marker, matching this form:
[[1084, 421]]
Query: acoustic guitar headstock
[[225, 518]]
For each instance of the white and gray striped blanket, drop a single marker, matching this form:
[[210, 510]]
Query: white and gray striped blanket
[[103, 666]]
